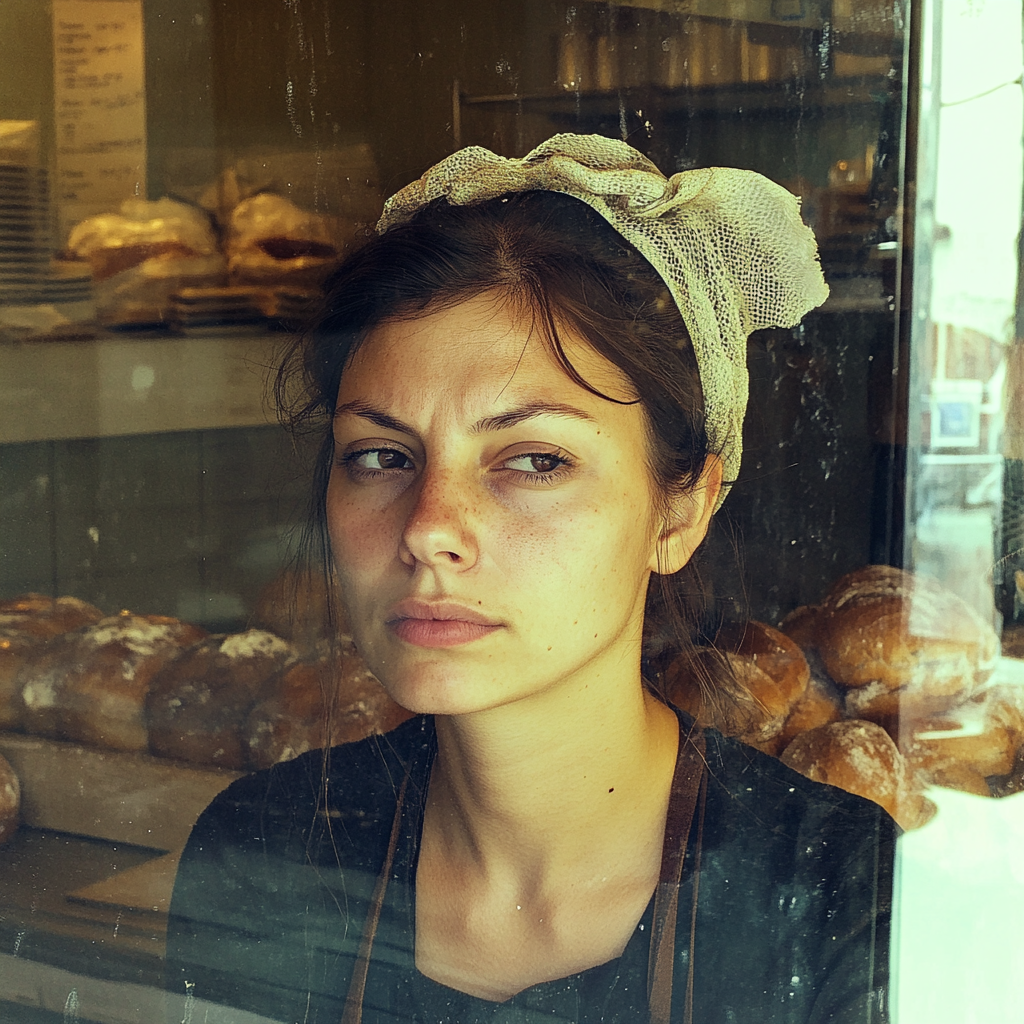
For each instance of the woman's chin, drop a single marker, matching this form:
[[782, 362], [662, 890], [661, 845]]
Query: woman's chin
[[437, 690]]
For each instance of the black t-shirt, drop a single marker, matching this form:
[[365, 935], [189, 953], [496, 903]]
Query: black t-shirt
[[272, 892]]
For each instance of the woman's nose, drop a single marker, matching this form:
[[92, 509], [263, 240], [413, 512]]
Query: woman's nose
[[438, 528]]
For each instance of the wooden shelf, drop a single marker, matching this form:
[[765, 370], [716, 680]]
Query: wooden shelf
[[118, 384]]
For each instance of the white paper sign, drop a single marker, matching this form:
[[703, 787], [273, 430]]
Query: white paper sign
[[100, 106]]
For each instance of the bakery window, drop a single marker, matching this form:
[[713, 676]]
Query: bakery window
[[179, 179]]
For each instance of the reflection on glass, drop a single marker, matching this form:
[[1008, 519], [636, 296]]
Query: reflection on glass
[[240, 154]]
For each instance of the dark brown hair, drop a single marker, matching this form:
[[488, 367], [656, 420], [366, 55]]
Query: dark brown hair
[[562, 263]]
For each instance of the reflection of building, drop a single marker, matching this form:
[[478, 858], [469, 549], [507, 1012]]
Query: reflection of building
[[962, 353]]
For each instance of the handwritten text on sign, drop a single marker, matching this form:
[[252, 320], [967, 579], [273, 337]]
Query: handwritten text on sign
[[100, 100]]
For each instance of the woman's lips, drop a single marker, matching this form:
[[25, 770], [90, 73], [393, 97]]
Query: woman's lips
[[438, 624]]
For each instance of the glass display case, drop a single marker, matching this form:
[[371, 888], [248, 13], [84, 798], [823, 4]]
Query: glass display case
[[179, 178]]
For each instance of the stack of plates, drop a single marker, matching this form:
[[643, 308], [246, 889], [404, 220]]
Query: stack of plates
[[25, 240], [217, 309], [295, 306], [68, 282]]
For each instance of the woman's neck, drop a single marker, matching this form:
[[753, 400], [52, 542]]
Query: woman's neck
[[571, 780]]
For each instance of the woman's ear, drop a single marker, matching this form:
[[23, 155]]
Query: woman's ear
[[688, 520]]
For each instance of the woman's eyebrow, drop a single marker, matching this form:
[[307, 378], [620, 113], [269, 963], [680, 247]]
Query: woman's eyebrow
[[524, 412], [376, 416]]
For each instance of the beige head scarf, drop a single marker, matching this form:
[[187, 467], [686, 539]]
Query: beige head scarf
[[729, 244]]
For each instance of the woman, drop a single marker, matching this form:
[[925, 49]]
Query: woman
[[534, 384]]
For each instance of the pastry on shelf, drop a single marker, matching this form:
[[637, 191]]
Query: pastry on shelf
[[90, 686], [272, 241], [197, 706], [145, 253], [860, 757]]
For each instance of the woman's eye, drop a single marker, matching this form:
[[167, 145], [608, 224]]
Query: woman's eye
[[377, 460], [539, 464]]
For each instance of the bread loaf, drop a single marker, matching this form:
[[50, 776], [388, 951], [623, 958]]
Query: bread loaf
[[861, 758], [902, 644], [320, 702], [90, 686], [767, 674], [197, 706], [26, 623], [10, 801]]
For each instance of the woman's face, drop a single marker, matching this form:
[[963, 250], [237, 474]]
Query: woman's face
[[491, 521]]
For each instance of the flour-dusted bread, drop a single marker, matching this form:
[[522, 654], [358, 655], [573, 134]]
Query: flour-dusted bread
[[90, 686], [26, 623], [902, 645], [44, 617], [323, 701], [967, 744], [10, 801], [768, 675], [198, 705], [861, 758]]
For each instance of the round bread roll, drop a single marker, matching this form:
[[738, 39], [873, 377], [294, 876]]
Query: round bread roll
[[968, 743], [197, 706], [861, 758], [801, 626], [26, 622], [820, 704], [10, 801], [902, 644], [769, 673], [320, 702], [90, 686]]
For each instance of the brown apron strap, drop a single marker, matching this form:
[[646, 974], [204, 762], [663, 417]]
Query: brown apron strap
[[687, 782], [353, 1012]]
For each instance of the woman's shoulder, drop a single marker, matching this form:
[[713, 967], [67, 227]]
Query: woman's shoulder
[[353, 783]]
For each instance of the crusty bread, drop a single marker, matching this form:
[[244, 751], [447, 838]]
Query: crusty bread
[[768, 674], [10, 801], [26, 623], [90, 685], [40, 616], [198, 704], [902, 644], [861, 758], [322, 701]]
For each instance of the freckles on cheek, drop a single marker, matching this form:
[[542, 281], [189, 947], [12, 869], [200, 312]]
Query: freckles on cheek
[[355, 535]]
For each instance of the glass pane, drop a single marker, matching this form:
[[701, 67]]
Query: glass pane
[[178, 181]]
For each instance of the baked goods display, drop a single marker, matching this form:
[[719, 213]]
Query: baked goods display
[[197, 705], [155, 684], [898, 693], [26, 622], [902, 645], [861, 758], [323, 701], [882, 689], [90, 685], [10, 801]]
